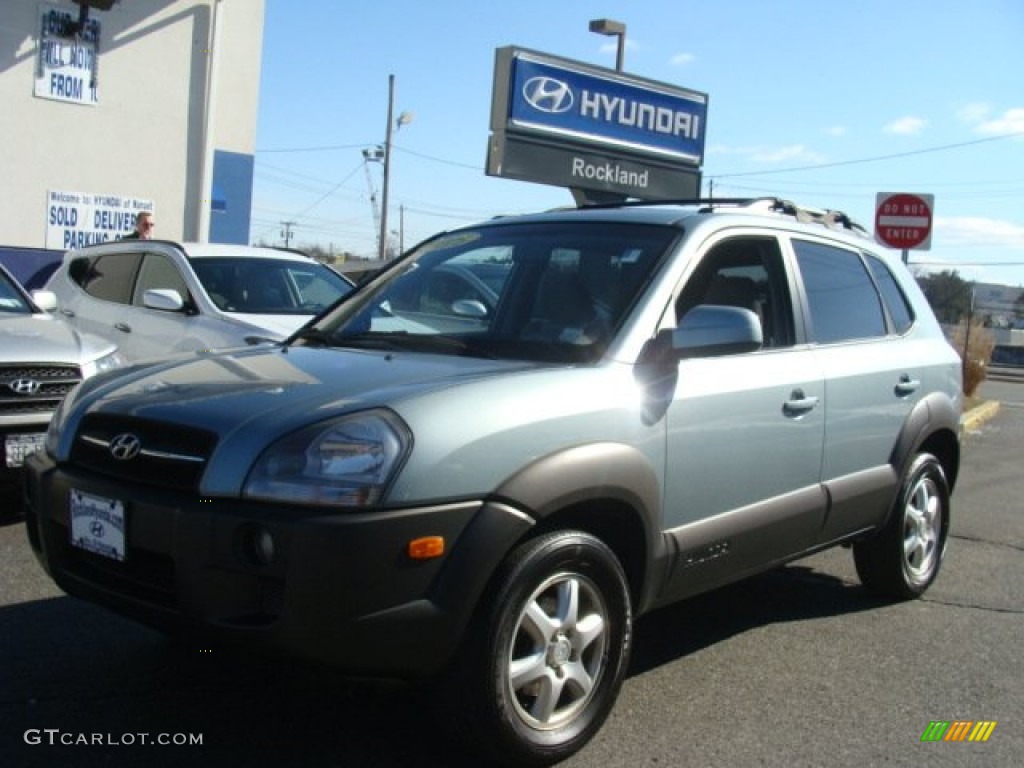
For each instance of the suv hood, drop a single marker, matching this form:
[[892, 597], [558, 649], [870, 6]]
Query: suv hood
[[263, 392], [44, 339]]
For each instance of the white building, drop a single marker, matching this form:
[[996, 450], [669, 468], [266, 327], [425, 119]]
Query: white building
[[148, 104]]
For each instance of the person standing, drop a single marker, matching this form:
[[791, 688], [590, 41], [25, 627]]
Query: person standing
[[144, 224]]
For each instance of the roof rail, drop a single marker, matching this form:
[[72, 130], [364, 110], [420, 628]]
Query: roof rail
[[829, 218]]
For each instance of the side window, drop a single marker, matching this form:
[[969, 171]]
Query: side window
[[900, 313], [841, 297], [110, 276], [746, 272], [158, 272]]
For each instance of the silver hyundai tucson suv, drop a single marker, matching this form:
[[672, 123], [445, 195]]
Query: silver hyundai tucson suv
[[489, 459], [41, 360]]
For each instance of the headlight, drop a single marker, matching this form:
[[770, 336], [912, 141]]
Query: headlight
[[100, 364], [344, 462]]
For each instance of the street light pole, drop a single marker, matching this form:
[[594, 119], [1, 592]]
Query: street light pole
[[612, 29]]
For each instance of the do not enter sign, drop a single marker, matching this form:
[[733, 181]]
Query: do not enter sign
[[903, 220]]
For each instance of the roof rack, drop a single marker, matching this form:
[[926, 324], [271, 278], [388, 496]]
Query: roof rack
[[829, 218]]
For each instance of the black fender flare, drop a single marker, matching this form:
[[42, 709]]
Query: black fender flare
[[604, 471], [934, 413]]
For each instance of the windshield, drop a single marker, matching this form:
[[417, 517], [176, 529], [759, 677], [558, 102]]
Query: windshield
[[264, 286], [12, 301], [552, 291]]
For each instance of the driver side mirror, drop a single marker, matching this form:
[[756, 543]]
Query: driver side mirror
[[710, 330]]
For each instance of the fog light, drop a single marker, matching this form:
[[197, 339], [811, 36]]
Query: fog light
[[258, 545]]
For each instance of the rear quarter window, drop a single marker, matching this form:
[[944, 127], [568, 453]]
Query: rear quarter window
[[900, 313]]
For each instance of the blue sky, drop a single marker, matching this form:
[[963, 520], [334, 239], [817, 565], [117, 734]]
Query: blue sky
[[824, 103]]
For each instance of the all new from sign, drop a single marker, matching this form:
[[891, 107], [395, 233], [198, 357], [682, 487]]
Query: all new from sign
[[67, 60]]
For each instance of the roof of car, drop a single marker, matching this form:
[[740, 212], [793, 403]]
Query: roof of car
[[196, 250], [214, 250], [676, 212]]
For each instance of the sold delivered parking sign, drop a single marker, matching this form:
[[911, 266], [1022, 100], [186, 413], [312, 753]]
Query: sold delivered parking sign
[[74, 219]]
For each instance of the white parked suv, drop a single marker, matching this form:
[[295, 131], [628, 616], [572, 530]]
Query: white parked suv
[[41, 359], [157, 297]]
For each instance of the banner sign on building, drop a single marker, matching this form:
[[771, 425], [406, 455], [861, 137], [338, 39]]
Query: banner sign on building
[[74, 219], [609, 131], [67, 64]]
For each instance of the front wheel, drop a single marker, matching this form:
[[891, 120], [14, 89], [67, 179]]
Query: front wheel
[[550, 659], [904, 559]]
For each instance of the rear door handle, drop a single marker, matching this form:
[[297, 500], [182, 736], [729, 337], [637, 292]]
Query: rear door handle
[[907, 385], [67, 312], [799, 403], [123, 327]]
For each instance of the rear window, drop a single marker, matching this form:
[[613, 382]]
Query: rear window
[[841, 295]]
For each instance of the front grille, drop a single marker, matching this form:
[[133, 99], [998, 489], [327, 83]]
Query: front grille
[[29, 389], [170, 456]]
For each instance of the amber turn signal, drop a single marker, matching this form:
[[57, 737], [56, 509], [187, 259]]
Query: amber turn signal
[[426, 547]]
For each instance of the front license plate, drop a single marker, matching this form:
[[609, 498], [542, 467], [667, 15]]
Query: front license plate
[[17, 447], [97, 524]]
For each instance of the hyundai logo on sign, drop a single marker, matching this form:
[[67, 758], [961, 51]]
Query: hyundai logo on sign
[[548, 95], [569, 102]]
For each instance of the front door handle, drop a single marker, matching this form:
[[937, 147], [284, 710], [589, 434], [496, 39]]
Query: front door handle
[[799, 403], [123, 327]]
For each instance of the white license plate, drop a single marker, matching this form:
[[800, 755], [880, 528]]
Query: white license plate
[[97, 524], [17, 447]]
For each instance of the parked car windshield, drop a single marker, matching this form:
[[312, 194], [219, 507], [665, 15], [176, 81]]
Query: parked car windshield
[[265, 286], [12, 300], [548, 291]]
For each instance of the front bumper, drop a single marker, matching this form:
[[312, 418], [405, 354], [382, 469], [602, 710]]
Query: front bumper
[[340, 587]]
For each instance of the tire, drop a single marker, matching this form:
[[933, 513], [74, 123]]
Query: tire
[[903, 560], [548, 658]]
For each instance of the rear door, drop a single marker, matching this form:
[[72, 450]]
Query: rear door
[[872, 377], [104, 288]]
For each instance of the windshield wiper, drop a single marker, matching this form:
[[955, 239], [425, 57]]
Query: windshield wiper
[[314, 336]]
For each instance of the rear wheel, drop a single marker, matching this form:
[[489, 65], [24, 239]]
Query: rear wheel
[[551, 653], [904, 559]]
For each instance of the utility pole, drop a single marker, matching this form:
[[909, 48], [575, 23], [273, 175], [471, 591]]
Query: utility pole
[[286, 233], [403, 119], [383, 245]]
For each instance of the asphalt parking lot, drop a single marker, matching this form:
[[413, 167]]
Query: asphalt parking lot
[[797, 667]]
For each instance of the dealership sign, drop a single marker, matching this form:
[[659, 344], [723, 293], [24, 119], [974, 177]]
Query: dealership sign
[[74, 219], [66, 65], [594, 128]]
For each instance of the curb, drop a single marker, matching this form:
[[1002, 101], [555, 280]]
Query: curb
[[976, 417]]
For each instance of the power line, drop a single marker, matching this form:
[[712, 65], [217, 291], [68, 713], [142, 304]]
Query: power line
[[315, 149], [876, 159]]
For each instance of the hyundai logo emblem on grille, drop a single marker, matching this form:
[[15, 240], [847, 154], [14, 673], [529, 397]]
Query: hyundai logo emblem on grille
[[125, 447], [24, 386], [546, 94]]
